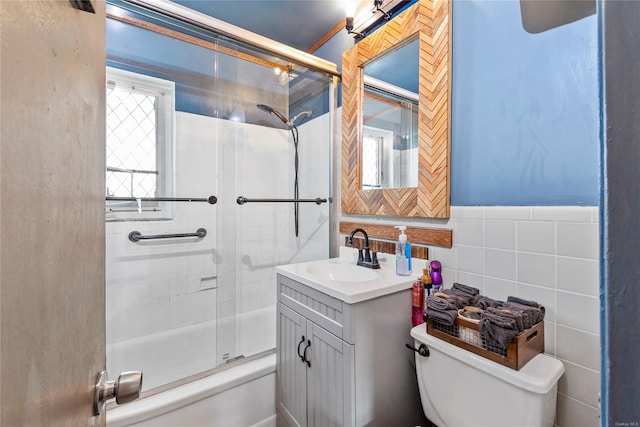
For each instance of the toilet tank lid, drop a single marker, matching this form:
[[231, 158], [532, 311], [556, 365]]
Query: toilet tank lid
[[539, 375]]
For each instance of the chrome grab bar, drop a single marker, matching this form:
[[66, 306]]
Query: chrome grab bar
[[136, 236], [241, 200]]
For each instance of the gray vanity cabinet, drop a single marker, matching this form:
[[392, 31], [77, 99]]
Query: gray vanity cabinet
[[342, 364], [311, 388]]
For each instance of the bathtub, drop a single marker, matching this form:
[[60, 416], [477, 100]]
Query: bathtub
[[242, 394]]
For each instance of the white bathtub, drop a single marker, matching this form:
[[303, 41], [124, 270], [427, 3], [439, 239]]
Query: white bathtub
[[242, 395]]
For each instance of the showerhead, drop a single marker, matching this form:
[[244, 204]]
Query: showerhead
[[297, 116], [289, 123], [274, 112]]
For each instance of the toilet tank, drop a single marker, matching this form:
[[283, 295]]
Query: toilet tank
[[459, 388]]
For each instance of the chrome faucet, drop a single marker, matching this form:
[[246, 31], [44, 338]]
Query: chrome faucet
[[367, 259]]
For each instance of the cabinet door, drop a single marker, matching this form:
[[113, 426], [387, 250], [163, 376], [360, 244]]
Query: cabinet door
[[329, 379], [291, 371]]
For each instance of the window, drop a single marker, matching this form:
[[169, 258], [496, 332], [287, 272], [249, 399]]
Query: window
[[371, 161], [139, 139]]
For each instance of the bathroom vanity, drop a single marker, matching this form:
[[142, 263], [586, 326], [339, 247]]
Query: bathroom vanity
[[341, 355]]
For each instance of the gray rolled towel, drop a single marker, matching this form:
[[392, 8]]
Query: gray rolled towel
[[535, 314], [533, 304], [460, 299], [484, 302], [441, 309], [497, 331], [470, 290], [521, 318]]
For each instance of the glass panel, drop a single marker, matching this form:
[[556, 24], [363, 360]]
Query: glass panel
[[180, 307]]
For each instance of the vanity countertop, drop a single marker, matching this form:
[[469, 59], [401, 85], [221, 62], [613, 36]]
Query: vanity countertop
[[341, 278]]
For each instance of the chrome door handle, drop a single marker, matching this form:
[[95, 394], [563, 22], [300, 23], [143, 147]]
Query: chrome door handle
[[125, 389]]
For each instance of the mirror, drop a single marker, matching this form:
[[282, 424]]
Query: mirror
[[395, 161], [390, 120]]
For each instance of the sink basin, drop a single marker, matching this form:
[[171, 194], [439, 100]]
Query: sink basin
[[342, 272]]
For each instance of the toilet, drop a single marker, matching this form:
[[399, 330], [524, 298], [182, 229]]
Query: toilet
[[459, 388]]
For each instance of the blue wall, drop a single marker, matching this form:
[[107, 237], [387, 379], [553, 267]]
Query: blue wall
[[525, 117]]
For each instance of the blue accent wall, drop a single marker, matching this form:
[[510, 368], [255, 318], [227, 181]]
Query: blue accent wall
[[525, 112], [525, 109]]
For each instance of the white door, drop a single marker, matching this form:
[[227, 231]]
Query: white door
[[51, 211]]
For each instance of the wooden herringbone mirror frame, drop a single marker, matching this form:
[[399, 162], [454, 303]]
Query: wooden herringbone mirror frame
[[429, 20]]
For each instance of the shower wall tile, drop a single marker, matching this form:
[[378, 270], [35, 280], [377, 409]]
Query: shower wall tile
[[546, 254]]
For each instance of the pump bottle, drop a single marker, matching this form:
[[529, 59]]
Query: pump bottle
[[403, 253]]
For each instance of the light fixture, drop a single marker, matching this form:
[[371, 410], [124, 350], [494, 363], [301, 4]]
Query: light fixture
[[350, 11], [369, 16], [377, 4]]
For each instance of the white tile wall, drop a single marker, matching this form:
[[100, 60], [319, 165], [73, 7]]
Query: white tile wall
[[546, 254]]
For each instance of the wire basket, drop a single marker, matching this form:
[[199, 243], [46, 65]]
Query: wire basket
[[466, 334]]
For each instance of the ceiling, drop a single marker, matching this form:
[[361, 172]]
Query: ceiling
[[296, 23]]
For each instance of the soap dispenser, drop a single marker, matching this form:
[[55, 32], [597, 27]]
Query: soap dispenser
[[403, 253]]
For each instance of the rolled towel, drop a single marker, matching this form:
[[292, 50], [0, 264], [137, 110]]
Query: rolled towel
[[497, 331], [441, 309], [521, 319], [470, 290], [534, 304], [484, 302], [461, 299], [534, 314]]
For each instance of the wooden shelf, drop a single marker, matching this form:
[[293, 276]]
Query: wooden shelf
[[388, 247], [416, 235]]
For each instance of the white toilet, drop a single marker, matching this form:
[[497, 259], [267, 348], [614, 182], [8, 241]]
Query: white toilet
[[459, 388]]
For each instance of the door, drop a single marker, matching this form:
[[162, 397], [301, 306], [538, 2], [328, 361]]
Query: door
[[51, 211], [291, 391], [329, 379]]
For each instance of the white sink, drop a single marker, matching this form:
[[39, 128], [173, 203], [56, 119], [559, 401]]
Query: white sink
[[342, 272], [341, 278]]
